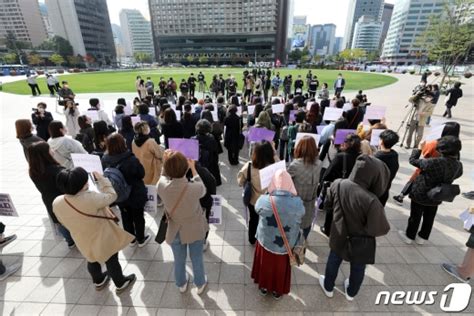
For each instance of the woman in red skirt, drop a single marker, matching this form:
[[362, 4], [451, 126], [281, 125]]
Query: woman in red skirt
[[271, 264]]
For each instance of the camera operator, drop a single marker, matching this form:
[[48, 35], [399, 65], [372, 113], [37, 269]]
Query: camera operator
[[421, 100], [41, 119], [65, 92]]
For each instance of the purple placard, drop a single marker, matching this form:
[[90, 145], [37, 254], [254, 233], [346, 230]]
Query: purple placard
[[258, 134], [320, 128], [341, 135], [188, 147], [292, 117]]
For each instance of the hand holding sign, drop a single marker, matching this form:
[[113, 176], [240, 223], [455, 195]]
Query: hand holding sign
[[266, 174], [90, 163], [375, 137]]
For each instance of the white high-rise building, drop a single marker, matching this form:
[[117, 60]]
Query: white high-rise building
[[86, 25], [136, 32], [358, 8], [22, 18], [409, 20], [367, 33]]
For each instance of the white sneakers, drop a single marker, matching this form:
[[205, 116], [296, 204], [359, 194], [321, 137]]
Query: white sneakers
[[404, 237], [420, 241], [321, 283], [184, 288], [200, 290], [9, 270], [346, 285]]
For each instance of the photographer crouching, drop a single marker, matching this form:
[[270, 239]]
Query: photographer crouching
[[423, 108]]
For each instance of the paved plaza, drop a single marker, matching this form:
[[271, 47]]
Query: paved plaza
[[53, 280]]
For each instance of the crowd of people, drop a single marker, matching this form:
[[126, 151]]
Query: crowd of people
[[348, 181]]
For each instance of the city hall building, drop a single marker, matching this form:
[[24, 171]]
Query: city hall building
[[223, 31]]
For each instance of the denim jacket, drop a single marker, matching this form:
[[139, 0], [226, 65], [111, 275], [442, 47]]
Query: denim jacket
[[290, 209]]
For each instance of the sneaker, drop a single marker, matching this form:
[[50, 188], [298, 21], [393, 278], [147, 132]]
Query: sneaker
[[404, 238], [103, 284], [263, 292], [346, 285], [420, 241], [206, 245], [129, 280], [201, 289], [9, 270], [6, 240], [469, 195], [142, 243], [276, 296], [321, 283], [133, 243], [71, 246], [451, 269], [184, 288], [398, 199]]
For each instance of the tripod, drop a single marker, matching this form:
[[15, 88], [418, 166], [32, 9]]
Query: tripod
[[407, 121]]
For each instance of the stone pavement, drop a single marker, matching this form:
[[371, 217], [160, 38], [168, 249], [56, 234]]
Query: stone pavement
[[53, 280]]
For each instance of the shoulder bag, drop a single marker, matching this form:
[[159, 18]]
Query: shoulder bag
[[360, 248], [161, 235], [445, 192], [247, 191], [298, 252], [107, 209]]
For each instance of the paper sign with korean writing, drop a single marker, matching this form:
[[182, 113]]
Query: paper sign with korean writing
[[90, 163], [341, 135], [375, 137], [216, 211], [266, 174], [434, 132], [258, 134], [278, 108], [151, 203], [375, 112], [299, 136], [7, 208], [332, 114], [188, 147]]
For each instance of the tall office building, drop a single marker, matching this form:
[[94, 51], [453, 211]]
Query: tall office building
[[223, 31], [118, 41], [46, 21], [86, 25], [367, 34], [322, 38], [386, 18], [409, 20], [136, 30], [358, 8], [338, 45], [23, 19]]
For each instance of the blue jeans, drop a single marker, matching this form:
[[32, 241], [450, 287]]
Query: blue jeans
[[180, 252], [355, 278], [66, 234]]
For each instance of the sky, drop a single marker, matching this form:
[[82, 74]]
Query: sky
[[317, 11]]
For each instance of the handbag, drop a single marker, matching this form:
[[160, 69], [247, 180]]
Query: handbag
[[107, 210], [360, 248], [445, 192], [247, 191], [161, 235], [297, 254]]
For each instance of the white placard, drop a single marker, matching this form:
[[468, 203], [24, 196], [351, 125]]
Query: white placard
[[332, 103], [135, 119], [435, 132], [90, 163], [128, 110], [215, 117], [151, 204], [7, 208], [375, 137], [250, 109], [94, 115], [266, 174], [178, 114], [152, 111], [467, 218], [278, 108], [347, 107], [332, 114], [299, 136], [375, 112], [216, 211], [239, 111], [309, 105]]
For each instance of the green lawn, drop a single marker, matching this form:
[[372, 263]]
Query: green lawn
[[124, 81]]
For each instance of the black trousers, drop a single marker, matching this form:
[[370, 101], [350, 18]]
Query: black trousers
[[233, 155], [51, 89], [312, 94], [114, 269], [133, 221], [417, 212], [284, 150], [253, 223], [248, 95], [34, 88], [192, 89]]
